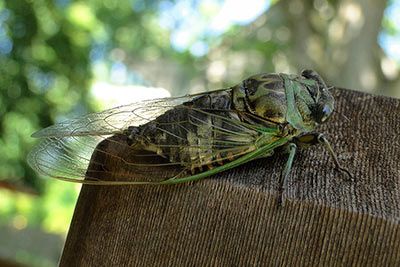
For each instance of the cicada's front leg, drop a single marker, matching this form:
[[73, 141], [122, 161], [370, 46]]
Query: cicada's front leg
[[319, 138]]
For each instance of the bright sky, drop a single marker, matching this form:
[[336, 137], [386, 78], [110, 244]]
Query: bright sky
[[391, 44]]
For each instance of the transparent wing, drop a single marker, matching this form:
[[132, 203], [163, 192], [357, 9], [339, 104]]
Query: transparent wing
[[113, 120], [96, 147]]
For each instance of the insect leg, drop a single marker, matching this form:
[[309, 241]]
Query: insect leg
[[325, 142], [292, 148], [319, 138]]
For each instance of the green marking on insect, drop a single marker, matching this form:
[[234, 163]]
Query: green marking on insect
[[293, 116], [182, 139]]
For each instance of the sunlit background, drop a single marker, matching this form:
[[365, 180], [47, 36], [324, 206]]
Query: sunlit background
[[63, 58]]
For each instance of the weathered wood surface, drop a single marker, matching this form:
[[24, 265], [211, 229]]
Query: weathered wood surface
[[232, 219]]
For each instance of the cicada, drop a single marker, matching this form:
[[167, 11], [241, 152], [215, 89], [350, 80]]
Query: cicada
[[182, 139]]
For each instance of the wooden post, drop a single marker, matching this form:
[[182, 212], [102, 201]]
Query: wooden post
[[232, 219]]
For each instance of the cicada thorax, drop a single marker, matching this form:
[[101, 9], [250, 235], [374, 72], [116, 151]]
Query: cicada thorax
[[202, 132], [297, 101], [263, 96]]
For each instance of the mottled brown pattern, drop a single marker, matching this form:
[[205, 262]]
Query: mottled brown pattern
[[191, 124], [232, 219]]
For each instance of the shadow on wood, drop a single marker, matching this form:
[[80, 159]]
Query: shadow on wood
[[232, 219]]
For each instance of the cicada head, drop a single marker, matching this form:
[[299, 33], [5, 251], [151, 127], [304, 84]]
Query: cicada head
[[322, 103]]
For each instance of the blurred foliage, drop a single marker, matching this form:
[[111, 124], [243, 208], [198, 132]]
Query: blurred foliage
[[47, 51], [50, 211], [46, 72]]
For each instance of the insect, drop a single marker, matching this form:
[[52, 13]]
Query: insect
[[176, 140]]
